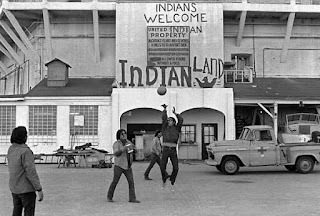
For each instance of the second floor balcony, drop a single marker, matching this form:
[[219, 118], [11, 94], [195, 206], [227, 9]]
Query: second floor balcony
[[239, 76]]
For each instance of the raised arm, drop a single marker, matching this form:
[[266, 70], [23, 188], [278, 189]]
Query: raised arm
[[164, 116], [180, 121]]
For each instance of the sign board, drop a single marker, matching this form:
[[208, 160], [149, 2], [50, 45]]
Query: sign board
[[79, 120], [168, 46]]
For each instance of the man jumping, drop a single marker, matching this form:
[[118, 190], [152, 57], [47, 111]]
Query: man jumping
[[170, 132]]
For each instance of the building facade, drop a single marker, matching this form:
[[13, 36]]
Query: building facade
[[225, 64]]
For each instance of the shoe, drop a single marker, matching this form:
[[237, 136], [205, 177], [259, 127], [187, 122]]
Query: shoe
[[172, 188], [147, 178], [163, 185], [134, 201], [109, 200]]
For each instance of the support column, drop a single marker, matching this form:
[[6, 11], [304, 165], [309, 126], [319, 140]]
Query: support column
[[11, 50], [96, 34], [22, 116], [286, 42], [275, 120], [115, 115], [241, 27], [16, 40], [63, 126], [47, 32], [20, 32]]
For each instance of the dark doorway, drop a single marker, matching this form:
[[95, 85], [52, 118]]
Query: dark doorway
[[209, 134], [131, 128]]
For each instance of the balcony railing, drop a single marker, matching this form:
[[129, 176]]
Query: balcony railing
[[239, 76]]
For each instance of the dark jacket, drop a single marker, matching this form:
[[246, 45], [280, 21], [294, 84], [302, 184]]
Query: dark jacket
[[22, 170], [171, 134]]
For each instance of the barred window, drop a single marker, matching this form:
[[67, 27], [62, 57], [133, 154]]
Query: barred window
[[83, 120], [188, 135], [7, 120], [43, 120]]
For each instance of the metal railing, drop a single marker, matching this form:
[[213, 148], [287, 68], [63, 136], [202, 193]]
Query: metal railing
[[239, 76]]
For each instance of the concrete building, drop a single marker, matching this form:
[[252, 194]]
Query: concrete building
[[225, 64]]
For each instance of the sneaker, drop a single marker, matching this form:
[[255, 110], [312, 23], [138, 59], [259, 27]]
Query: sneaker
[[109, 199], [172, 188], [134, 201], [163, 185], [147, 178]]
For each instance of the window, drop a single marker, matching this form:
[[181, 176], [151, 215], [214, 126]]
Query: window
[[83, 120], [43, 120], [188, 135], [7, 123], [83, 125], [263, 135]]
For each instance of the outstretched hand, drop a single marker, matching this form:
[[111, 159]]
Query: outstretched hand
[[174, 110], [164, 106], [40, 195]]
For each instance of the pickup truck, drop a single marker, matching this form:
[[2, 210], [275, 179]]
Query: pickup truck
[[257, 146]]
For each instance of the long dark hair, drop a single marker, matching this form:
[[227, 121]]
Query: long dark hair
[[157, 132], [119, 133], [19, 135]]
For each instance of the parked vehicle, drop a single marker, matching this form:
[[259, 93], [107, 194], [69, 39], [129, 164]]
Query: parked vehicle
[[299, 126], [257, 146]]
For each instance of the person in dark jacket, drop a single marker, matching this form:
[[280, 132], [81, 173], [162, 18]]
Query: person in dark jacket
[[170, 132], [24, 180], [123, 152]]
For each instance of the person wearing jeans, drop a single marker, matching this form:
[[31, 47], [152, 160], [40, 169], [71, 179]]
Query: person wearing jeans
[[24, 180], [123, 152], [155, 154], [170, 132]]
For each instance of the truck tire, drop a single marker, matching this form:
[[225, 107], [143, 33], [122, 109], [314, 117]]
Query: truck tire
[[290, 168], [230, 166], [305, 164]]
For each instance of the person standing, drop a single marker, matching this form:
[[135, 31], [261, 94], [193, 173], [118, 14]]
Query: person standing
[[24, 180], [123, 152], [170, 132], [155, 154]]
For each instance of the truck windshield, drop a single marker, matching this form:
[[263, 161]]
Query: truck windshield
[[246, 134]]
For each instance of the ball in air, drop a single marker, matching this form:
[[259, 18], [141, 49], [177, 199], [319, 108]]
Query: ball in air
[[162, 90]]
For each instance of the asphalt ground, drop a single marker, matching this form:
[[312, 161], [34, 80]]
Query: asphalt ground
[[200, 190]]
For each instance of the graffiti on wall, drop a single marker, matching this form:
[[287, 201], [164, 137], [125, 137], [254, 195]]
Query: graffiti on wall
[[183, 43], [211, 68]]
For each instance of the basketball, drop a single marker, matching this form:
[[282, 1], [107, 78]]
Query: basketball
[[162, 90]]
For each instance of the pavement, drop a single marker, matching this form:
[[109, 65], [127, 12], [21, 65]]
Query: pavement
[[200, 190]]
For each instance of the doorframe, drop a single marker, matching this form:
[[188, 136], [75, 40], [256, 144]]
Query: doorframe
[[203, 145]]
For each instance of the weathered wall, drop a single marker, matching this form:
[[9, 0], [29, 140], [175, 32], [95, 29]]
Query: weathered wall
[[265, 41]]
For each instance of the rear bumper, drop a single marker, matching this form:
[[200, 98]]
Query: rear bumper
[[211, 162]]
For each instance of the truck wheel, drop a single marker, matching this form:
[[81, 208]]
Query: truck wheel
[[291, 168], [230, 166], [219, 168], [305, 164]]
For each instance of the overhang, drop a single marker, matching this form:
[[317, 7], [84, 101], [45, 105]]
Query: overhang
[[279, 90]]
